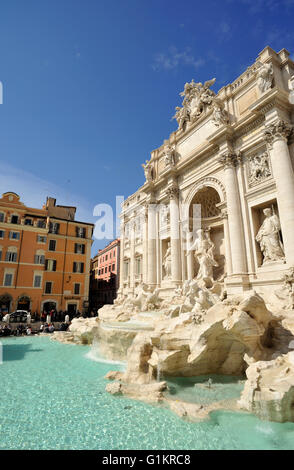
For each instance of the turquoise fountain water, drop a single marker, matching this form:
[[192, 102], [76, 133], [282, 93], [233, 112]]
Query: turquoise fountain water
[[52, 397]]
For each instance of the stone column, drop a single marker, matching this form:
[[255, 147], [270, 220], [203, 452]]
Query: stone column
[[190, 256], [152, 277], [227, 242], [132, 254], [229, 161], [176, 270], [145, 246], [276, 135], [121, 256]]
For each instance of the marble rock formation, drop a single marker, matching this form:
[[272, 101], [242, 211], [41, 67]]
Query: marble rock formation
[[269, 389]]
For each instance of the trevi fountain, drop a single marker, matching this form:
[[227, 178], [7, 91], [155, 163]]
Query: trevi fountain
[[207, 254]]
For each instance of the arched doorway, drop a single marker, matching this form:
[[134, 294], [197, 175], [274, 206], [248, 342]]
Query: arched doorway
[[48, 306], [210, 219], [24, 303], [5, 303]]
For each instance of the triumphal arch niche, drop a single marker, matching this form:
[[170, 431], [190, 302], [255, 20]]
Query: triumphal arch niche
[[231, 156]]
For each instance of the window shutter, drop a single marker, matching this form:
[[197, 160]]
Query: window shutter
[[46, 265], [82, 267], [75, 267], [54, 265], [83, 249]]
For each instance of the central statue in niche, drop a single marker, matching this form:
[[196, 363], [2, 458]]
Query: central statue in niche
[[204, 255]]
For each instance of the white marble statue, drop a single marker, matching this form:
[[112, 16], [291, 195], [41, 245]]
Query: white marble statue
[[197, 97], [204, 248], [169, 154], [167, 262], [268, 237], [265, 76], [220, 115], [148, 171]]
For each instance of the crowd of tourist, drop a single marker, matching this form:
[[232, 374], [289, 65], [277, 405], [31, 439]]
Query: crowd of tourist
[[27, 329]]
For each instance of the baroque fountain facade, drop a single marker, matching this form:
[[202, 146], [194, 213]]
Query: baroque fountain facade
[[207, 250]]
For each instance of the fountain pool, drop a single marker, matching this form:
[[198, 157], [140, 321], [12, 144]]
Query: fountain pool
[[53, 397]]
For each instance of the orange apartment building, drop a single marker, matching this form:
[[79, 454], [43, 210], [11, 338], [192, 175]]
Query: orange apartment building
[[105, 275], [44, 257]]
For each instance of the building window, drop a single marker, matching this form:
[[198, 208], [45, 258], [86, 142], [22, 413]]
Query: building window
[[51, 265], [2, 216], [106, 257], [28, 222], [41, 224], [14, 219], [105, 269], [52, 245], [11, 256], [113, 267], [110, 255], [37, 280], [39, 258], [80, 248], [41, 239], [14, 235], [81, 232], [2, 233], [102, 271], [54, 227], [48, 287], [78, 267], [8, 279], [77, 289]]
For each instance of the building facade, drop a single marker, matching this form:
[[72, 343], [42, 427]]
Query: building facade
[[218, 200], [105, 268], [44, 257]]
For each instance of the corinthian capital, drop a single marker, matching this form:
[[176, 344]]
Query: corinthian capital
[[228, 159], [172, 192], [278, 130]]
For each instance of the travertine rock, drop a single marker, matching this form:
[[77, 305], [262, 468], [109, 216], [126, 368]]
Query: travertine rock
[[152, 392], [269, 390]]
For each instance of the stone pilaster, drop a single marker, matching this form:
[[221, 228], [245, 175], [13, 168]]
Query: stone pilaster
[[176, 269], [145, 244], [276, 136], [229, 160], [151, 254], [224, 214], [132, 254]]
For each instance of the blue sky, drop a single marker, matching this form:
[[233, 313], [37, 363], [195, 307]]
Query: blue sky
[[90, 86]]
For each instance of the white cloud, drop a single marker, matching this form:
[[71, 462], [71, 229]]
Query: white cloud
[[174, 58]]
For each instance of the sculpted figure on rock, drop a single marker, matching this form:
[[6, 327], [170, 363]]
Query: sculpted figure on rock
[[204, 248]]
